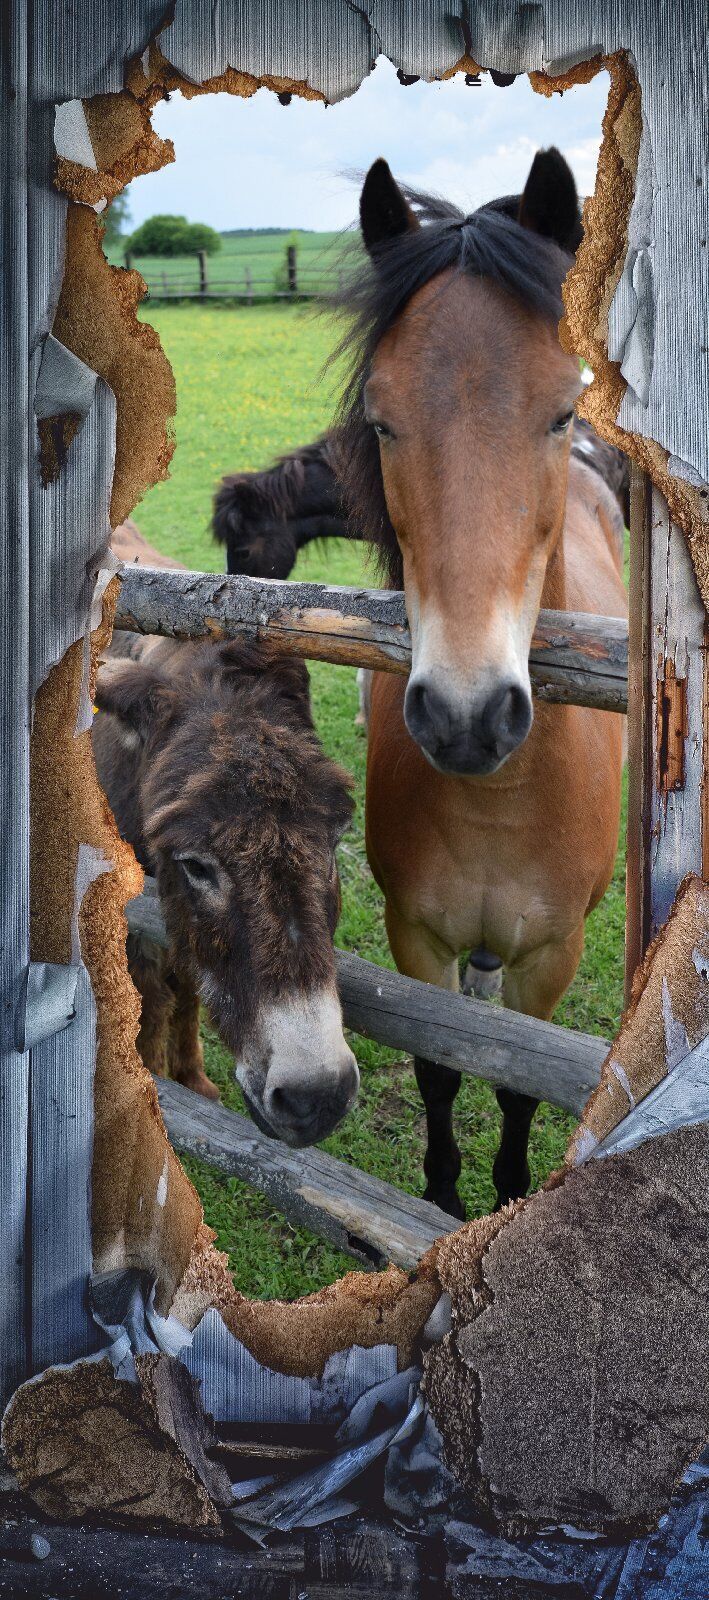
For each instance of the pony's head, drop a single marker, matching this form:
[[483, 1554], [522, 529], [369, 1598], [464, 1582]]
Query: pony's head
[[456, 429]]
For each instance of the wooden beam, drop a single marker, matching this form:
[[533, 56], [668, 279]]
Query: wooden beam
[[575, 658], [362, 1216], [668, 721], [485, 1041]]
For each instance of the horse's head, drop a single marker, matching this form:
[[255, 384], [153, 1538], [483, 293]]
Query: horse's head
[[471, 398], [239, 812]]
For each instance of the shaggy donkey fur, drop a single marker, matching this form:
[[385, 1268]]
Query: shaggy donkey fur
[[211, 764]]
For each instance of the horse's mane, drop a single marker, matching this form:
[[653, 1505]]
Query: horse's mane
[[489, 243]]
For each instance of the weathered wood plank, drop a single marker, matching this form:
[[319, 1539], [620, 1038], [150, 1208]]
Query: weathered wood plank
[[538, 1058], [361, 1556], [575, 658], [362, 1216], [669, 716]]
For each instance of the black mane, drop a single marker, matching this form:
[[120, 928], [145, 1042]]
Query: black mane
[[489, 243]]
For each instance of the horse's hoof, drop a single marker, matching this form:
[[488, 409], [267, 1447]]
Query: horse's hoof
[[448, 1201]]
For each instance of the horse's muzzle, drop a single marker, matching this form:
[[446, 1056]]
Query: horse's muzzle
[[474, 742]]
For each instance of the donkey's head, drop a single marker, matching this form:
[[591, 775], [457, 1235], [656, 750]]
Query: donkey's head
[[239, 813], [464, 386]]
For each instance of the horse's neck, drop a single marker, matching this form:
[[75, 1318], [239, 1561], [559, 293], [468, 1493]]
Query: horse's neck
[[554, 590]]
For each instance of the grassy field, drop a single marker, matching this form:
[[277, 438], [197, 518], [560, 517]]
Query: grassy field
[[260, 255], [248, 387]]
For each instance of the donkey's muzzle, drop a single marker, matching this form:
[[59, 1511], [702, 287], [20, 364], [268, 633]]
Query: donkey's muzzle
[[303, 1110], [473, 739]]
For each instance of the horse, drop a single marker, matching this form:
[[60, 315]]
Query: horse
[[210, 762], [265, 518], [488, 826]]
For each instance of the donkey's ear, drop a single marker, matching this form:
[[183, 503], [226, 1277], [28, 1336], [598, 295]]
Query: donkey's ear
[[550, 204], [293, 682], [134, 692], [384, 212]]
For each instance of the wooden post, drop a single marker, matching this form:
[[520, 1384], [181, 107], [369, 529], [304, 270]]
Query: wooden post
[[292, 263], [249, 286], [129, 260], [668, 704], [203, 280]]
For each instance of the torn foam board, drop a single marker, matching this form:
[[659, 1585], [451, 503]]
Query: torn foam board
[[574, 1386], [60, 1434]]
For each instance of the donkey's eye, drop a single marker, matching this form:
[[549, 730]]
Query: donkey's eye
[[562, 423], [200, 873]]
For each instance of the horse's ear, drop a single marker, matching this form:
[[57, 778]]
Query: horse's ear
[[384, 212], [550, 204], [134, 692]]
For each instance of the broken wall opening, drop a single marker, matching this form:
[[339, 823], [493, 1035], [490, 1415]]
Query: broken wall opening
[[551, 1130]]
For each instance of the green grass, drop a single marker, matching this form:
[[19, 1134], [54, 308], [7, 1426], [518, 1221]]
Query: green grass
[[247, 388], [319, 258]]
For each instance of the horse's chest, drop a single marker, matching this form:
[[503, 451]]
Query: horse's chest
[[492, 879]]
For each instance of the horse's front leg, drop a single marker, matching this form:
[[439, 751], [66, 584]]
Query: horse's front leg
[[533, 985], [418, 954]]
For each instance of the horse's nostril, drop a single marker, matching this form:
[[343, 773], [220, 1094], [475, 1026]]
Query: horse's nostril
[[426, 713], [506, 714], [292, 1103]]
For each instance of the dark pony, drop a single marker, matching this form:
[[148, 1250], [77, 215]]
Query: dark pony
[[265, 518], [430, 236]]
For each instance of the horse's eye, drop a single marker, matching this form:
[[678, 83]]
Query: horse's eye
[[382, 431], [562, 424], [198, 872]]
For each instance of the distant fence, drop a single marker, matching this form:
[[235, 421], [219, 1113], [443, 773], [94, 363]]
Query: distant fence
[[296, 282]]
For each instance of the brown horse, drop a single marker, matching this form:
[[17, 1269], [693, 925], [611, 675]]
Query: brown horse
[[488, 827]]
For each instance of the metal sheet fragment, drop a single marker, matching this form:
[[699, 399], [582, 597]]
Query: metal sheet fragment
[[64, 384], [48, 1002]]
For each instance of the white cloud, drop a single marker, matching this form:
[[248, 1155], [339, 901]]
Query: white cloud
[[255, 163]]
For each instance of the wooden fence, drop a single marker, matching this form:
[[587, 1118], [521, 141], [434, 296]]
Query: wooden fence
[[288, 279], [576, 659]]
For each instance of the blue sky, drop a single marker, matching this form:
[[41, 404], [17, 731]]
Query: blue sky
[[254, 163]]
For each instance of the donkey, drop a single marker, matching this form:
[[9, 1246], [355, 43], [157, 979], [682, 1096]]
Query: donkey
[[210, 762], [265, 518], [488, 827]]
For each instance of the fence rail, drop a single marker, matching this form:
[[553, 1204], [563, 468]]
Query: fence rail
[[287, 280], [481, 1040], [575, 659], [367, 1219]]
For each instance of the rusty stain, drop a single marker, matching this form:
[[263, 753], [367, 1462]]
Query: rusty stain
[[672, 729]]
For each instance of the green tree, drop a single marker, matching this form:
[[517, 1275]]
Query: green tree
[[172, 236], [116, 218]]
